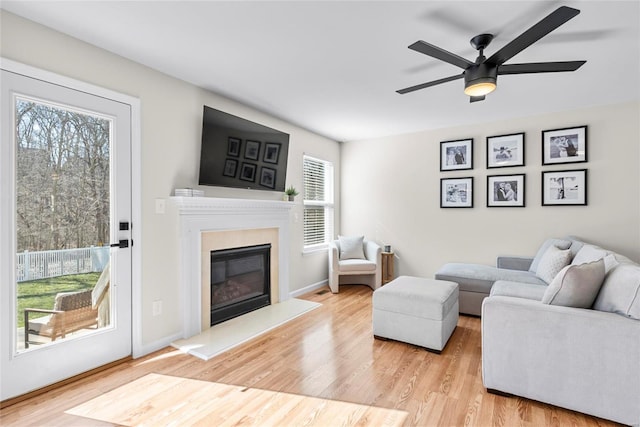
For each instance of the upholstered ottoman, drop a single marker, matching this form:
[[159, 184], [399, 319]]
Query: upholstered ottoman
[[417, 311]]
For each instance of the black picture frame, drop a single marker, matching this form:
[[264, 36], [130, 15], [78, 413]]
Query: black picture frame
[[233, 146], [456, 192], [504, 151], [456, 155], [267, 177], [230, 168], [252, 150], [271, 152], [506, 191], [564, 188], [248, 172], [562, 146]]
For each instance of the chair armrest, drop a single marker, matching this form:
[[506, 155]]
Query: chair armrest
[[41, 310], [372, 251], [333, 256], [514, 262]]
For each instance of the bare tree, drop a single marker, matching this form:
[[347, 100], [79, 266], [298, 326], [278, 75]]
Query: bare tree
[[62, 176]]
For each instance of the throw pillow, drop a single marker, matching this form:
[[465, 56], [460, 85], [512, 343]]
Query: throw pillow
[[610, 262], [351, 247], [552, 262], [576, 285], [620, 292], [559, 243], [588, 253]]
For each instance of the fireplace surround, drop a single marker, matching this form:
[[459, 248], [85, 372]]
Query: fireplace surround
[[209, 223]]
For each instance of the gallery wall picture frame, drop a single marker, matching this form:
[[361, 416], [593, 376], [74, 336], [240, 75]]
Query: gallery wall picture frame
[[252, 150], [456, 192], [506, 191], [248, 172], [564, 188], [230, 168], [456, 155], [505, 151], [568, 145], [268, 177], [233, 146], [271, 152]]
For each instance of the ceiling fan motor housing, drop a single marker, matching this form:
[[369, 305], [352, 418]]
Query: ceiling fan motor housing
[[479, 74]]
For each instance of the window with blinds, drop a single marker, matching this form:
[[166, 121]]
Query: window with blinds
[[318, 202]]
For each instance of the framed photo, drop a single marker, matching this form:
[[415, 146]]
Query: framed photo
[[561, 188], [271, 152], [505, 150], [564, 145], [230, 168], [248, 172], [268, 177], [456, 192], [252, 150], [505, 191], [456, 155], [233, 146]]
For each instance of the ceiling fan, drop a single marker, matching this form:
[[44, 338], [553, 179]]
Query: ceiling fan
[[480, 77]]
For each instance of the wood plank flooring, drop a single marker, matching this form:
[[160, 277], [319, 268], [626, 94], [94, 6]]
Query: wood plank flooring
[[329, 353], [157, 399]]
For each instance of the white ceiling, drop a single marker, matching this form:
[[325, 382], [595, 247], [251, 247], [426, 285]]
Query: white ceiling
[[333, 66]]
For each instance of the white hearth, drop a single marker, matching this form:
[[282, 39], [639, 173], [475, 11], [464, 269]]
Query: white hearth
[[198, 217]]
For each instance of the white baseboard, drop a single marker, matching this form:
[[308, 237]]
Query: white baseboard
[[145, 349], [309, 288]]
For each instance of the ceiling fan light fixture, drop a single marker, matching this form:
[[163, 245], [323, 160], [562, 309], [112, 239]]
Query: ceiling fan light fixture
[[480, 87]]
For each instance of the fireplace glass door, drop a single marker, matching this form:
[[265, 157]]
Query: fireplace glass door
[[240, 281]]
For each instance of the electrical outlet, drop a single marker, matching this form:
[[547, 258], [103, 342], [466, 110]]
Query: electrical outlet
[[157, 308], [160, 206]]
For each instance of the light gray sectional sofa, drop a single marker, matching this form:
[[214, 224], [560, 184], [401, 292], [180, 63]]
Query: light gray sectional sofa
[[538, 343]]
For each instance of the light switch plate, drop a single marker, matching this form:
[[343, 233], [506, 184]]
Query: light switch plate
[[160, 206]]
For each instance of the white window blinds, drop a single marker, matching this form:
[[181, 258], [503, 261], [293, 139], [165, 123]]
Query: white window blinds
[[318, 201]]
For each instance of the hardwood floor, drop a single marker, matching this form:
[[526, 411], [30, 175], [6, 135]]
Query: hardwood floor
[[329, 353]]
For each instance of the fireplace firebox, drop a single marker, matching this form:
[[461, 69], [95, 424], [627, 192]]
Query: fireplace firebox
[[240, 281]]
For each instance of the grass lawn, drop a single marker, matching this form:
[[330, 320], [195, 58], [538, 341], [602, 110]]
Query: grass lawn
[[42, 293]]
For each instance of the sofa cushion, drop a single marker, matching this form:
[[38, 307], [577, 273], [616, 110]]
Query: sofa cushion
[[480, 278], [351, 247], [506, 288], [552, 262], [620, 292], [576, 285], [558, 243]]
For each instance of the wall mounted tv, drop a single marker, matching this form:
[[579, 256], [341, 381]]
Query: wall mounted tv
[[239, 153]]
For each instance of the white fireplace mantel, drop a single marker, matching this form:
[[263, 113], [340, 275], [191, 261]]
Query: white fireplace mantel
[[202, 214]]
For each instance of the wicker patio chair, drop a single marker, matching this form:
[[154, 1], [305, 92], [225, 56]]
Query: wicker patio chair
[[72, 311]]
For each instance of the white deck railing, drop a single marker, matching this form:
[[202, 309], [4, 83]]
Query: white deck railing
[[45, 264]]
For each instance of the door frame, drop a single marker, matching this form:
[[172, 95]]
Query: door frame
[[136, 179]]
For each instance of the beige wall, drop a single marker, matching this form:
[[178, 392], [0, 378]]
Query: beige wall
[[394, 196], [171, 131]]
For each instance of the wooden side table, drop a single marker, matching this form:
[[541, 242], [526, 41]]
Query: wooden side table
[[387, 267]]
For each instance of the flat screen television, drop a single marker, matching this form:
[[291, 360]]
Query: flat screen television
[[238, 153]]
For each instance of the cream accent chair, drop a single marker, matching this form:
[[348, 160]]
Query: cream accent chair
[[366, 271]]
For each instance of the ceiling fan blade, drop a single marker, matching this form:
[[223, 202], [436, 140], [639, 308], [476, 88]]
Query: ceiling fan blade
[[540, 67], [441, 54], [476, 98], [429, 84], [533, 34]]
